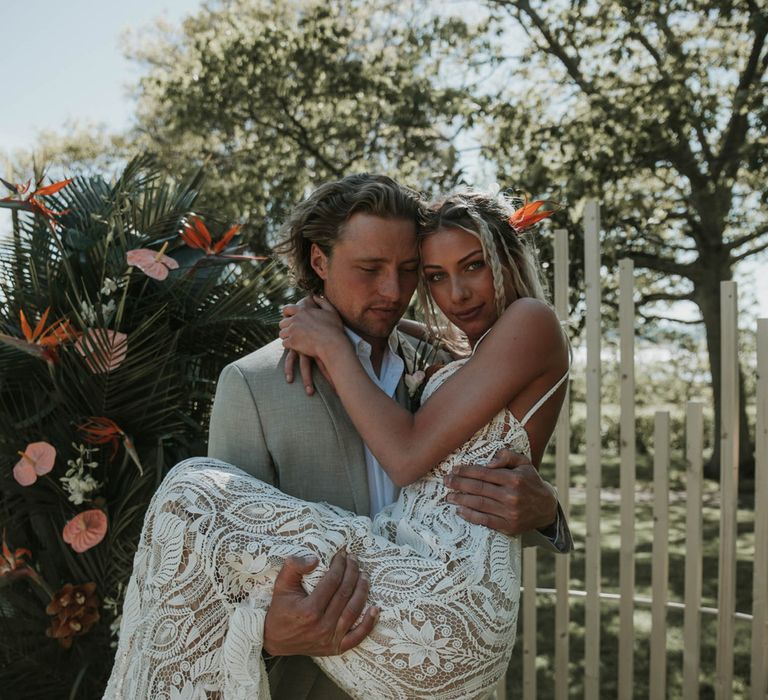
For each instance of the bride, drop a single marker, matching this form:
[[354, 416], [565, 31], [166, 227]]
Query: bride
[[447, 590]]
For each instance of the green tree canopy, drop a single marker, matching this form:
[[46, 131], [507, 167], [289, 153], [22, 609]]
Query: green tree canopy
[[659, 109], [281, 96]]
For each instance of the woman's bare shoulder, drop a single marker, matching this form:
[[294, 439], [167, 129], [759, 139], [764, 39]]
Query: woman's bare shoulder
[[533, 320]]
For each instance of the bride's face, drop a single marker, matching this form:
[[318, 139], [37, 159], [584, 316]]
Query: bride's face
[[459, 280]]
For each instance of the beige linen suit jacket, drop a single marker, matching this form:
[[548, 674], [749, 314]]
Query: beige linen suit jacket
[[307, 447]]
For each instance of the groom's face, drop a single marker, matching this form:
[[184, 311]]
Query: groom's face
[[371, 273]]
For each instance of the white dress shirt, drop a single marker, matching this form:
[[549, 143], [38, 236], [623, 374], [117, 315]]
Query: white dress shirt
[[381, 490]]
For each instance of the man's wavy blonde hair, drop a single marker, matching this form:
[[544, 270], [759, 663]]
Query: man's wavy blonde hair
[[321, 217]]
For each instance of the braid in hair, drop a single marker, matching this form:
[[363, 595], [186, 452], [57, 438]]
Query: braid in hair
[[508, 256], [491, 256]]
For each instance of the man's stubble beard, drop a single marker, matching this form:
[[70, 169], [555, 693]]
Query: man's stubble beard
[[372, 330]]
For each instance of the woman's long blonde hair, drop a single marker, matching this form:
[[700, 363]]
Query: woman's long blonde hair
[[504, 250]]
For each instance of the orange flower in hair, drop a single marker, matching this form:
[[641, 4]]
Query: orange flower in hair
[[528, 215]]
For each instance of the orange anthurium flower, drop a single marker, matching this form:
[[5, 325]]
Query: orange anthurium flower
[[99, 430], [153, 264], [526, 216], [23, 195], [85, 530], [36, 460], [103, 350], [41, 342]]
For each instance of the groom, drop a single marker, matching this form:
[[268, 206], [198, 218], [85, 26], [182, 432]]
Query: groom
[[354, 241]]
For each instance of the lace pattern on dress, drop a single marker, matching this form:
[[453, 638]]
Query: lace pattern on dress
[[214, 539]]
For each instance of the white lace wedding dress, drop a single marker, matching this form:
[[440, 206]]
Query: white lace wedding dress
[[214, 539]]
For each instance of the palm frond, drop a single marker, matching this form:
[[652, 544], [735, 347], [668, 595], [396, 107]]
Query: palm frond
[[180, 333]]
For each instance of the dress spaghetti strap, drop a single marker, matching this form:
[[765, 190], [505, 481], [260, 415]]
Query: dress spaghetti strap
[[548, 395], [480, 339], [544, 398]]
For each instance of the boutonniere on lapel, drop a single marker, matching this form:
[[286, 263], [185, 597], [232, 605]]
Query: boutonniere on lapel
[[418, 370]]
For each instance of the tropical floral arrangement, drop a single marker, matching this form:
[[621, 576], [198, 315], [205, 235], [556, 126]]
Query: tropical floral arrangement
[[119, 305]]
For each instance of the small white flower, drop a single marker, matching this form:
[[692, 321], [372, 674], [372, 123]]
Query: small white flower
[[419, 644], [108, 309], [79, 489], [414, 381], [79, 485], [109, 286], [88, 313]]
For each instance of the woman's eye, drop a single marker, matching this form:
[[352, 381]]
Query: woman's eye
[[434, 277], [476, 265]]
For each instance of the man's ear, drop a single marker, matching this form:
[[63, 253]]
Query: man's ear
[[319, 261]]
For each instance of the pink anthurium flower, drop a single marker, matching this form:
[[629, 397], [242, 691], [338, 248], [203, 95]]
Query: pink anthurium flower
[[85, 530], [36, 460], [103, 350], [153, 264]]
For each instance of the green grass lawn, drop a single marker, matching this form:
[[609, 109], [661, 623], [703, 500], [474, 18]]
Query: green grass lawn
[[610, 582]]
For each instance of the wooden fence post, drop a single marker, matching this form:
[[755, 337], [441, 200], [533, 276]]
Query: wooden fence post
[[562, 481], [593, 450], [660, 557], [729, 476], [627, 458], [529, 623], [694, 445], [759, 666]]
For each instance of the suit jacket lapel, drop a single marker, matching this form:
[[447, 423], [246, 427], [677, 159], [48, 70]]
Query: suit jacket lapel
[[350, 445]]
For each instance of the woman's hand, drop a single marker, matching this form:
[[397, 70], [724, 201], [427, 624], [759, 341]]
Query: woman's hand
[[305, 362], [311, 331]]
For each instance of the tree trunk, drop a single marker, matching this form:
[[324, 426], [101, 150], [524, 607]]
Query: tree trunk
[[707, 297]]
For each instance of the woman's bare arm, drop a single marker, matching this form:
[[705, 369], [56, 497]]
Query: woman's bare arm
[[524, 344]]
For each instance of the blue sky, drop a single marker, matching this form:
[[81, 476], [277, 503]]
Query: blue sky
[[63, 61]]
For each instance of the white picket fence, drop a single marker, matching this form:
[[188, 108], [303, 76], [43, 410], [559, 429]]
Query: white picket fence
[[621, 596]]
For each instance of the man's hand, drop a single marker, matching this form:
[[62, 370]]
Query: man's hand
[[507, 494], [321, 623]]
